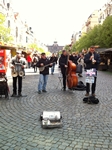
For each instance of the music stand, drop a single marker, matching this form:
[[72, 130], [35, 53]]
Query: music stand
[[60, 77]]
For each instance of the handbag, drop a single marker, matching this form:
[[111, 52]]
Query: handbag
[[79, 68]]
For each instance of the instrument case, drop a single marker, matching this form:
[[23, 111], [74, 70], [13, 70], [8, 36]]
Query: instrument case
[[51, 119]]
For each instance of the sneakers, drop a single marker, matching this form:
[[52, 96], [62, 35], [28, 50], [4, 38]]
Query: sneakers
[[14, 95], [19, 94], [93, 94], [64, 89], [87, 94], [44, 91], [39, 92]]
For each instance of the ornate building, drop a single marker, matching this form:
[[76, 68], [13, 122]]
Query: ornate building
[[55, 47]]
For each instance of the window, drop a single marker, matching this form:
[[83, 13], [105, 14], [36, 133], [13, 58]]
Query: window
[[8, 23], [26, 39], [16, 31]]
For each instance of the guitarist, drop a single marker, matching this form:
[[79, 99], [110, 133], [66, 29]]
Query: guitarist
[[43, 62]]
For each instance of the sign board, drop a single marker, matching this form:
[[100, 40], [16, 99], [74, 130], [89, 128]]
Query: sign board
[[4, 60], [90, 75]]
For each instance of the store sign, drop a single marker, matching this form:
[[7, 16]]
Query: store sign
[[4, 60]]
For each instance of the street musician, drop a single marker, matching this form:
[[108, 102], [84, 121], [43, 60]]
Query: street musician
[[17, 65]]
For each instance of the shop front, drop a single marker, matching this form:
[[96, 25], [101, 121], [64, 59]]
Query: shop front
[[6, 52], [106, 59]]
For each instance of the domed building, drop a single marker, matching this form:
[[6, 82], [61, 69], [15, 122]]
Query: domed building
[[55, 47]]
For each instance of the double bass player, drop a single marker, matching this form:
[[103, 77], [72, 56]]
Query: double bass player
[[63, 60]]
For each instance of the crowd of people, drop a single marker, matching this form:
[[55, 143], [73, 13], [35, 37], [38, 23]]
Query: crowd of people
[[88, 61]]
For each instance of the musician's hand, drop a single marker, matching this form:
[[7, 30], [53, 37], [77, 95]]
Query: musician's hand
[[12, 67], [91, 57], [22, 66], [66, 66], [94, 61], [51, 64], [41, 64]]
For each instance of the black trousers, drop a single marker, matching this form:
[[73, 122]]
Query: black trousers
[[35, 68], [15, 84], [93, 87], [64, 80]]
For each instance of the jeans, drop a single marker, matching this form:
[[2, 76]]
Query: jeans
[[42, 82], [29, 64], [52, 68]]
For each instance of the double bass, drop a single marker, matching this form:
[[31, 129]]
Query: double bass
[[72, 79]]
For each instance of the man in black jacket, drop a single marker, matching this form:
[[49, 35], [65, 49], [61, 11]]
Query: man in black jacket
[[92, 60], [63, 67], [53, 59], [44, 65]]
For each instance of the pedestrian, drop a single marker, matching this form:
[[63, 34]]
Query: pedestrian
[[29, 60], [80, 61], [92, 61], [53, 59], [63, 60], [25, 63], [34, 62], [17, 64], [43, 65]]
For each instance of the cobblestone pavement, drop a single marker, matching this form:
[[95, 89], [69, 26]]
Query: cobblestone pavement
[[86, 127]]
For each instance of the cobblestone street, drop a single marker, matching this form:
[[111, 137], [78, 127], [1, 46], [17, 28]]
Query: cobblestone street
[[85, 126]]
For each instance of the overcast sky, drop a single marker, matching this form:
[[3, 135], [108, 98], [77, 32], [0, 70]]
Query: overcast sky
[[56, 19]]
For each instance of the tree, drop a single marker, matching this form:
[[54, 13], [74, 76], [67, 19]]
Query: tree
[[4, 32], [106, 35], [93, 37], [33, 46]]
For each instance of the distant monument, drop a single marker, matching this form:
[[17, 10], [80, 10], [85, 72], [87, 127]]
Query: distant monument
[[55, 47]]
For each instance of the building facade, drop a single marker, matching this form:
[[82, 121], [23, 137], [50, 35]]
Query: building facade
[[105, 11], [55, 47], [92, 20]]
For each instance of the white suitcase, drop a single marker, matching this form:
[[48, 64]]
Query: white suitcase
[[51, 119]]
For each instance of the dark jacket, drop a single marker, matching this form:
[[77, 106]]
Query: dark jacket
[[53, 59], [45, 62], [74, 59], [88, 62], [62, 62]]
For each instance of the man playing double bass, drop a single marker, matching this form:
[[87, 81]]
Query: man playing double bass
[[63, 60]]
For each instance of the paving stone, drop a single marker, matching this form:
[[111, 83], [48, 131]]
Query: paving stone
[[86, 126]]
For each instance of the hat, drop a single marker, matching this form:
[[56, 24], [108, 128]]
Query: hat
[[92, 46], [43, 54], [18, 52]]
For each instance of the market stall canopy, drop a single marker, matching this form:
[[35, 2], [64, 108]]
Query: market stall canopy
[[103, 50], [108, 50], [100, 50], [7, 47]]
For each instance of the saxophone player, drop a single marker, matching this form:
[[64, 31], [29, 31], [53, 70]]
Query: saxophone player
[[18, 64], [92, 61]]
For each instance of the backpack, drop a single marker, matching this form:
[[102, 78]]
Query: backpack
[[91, 100], [80, 86]]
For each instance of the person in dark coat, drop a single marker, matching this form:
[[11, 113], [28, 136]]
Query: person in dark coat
[[43, 62], [63, 66], [92, 61], [53, 59]]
